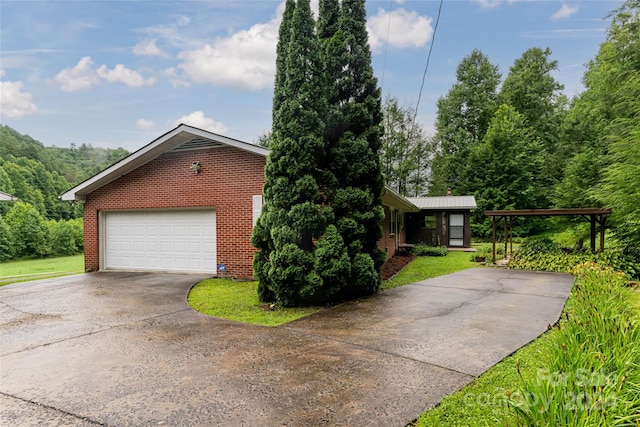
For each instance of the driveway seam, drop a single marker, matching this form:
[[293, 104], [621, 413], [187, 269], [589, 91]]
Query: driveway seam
[[302, 332], [53, 408], [97, 331]]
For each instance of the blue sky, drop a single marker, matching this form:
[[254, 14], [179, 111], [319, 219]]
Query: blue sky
[[121, 73]]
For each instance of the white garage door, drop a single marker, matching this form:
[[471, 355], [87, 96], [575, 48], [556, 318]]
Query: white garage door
[[180, 240]]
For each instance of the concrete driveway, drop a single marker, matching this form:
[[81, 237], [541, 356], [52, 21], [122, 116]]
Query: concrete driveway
[[125, 349]]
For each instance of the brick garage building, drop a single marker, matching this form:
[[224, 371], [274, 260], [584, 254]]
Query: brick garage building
[[187, 202]]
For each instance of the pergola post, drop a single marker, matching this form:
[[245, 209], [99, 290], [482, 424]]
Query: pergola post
[[494, 240], [511, 235], [505, 236], [593, 233], [603, 219]]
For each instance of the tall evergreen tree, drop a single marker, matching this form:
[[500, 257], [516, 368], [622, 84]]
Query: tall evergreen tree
[[353, 140], [284, 36], [463, 119], [318, 232], [294, 220]]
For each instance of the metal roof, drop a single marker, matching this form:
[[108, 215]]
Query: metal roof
[[444, 202], [7, 197], [181, 138]]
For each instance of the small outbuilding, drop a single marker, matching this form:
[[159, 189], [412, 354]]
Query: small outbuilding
[[441, 221]]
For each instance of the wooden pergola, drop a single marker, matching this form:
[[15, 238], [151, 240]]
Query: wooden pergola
[[594, 215]]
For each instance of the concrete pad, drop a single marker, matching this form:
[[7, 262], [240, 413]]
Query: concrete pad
[[125, 349]]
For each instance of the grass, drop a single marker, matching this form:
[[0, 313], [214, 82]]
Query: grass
[[427, 267], [33, 269], [239, 301], [484, 401]]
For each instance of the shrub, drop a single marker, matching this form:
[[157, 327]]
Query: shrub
[[542, 254], [6, 241], [485, 253], [78, 232], [30, 232], [63, 237], [591, 375], [426, 250]]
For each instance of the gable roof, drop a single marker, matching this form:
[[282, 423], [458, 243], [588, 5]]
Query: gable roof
[[444, 202], [182, 138]]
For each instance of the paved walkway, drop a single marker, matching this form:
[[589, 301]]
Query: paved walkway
[[124, 349]]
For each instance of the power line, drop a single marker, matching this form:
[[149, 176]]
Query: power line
[[386, 44], [424, 76]]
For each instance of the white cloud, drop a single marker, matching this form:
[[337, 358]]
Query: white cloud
[[404, 28], [564, 12], [124, 75], [80, 77], [244, 60], [148, 47], [199, 120], [183, 20], [176, 79], [145, 124], [489, 4], [13, 102]]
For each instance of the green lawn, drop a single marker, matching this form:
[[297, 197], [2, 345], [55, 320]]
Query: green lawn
[[33, 269], [238, 301], [426, 267]]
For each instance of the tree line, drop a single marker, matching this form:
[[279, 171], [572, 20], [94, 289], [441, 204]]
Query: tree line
[[518, 142], [40, 224]]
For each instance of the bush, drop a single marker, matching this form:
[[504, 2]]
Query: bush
[[78, 232], [542, 254], [591, 375], [426, 250], [485, 253], [6, 241], [63, 237], [30, 232]]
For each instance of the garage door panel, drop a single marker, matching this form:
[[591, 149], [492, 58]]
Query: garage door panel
[[160, 240]]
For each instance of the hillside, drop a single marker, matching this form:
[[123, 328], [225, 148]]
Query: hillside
[[38, 174]]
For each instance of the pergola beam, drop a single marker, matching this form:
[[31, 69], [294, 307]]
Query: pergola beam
[[594, 214]]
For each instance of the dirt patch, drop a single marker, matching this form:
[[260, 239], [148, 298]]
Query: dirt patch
[[393, 265]]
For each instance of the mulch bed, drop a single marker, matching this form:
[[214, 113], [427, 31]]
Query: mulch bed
[[394, 264]]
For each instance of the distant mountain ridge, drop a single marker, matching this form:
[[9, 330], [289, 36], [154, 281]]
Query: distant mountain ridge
[[38, 174]]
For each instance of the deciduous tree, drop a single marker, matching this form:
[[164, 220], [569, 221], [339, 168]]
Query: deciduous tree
[[463, 118]]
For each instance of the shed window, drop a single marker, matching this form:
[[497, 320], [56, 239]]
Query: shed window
[[430, 221]]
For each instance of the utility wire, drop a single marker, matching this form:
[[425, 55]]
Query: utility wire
[[386, 45], [424, 76]]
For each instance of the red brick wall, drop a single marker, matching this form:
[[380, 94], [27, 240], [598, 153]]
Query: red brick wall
[[388, 241], [227, 181]]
